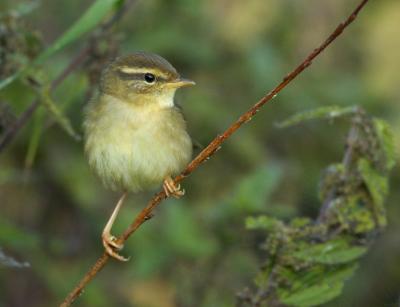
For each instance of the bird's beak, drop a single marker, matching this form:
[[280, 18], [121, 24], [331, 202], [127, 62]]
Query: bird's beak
[[181, 82]]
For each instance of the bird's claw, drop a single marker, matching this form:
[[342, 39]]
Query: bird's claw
[[112, 247], [172, 189]]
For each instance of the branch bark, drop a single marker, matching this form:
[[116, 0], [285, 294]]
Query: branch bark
[[213, 147]]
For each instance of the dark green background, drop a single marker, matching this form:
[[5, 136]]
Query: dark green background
[[196, 251]]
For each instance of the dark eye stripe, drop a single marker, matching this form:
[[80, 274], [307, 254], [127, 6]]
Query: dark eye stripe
[[136, 76], [130, 76]]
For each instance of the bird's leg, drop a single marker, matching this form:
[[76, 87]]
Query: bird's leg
[[109, 241], [171, 189]]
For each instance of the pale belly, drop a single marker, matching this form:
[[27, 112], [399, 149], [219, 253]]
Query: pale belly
[[132, 157]]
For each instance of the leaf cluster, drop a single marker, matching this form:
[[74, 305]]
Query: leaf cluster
[[307, 261]]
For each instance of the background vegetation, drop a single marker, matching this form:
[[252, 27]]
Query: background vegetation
[[197, 250]]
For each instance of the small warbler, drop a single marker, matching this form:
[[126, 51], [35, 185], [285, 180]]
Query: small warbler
[[135, 135]]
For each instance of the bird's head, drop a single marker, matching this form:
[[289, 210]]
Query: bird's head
[[140, 78]]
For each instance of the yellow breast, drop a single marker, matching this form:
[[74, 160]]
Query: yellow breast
[[133, 147]]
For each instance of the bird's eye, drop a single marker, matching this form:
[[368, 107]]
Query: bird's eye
[[149, 78]]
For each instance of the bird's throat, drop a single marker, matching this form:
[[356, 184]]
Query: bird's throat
[[152, 101]]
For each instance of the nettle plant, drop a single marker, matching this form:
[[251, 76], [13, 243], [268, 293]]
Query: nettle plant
[[307, 261]]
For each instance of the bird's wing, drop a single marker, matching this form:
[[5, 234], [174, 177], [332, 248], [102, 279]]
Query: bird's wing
[[197, 146]]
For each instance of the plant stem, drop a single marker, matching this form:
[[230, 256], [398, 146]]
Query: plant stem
[[213, 147], [22, 120]]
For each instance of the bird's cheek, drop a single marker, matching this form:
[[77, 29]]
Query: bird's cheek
[[132, 86], [135, 87]]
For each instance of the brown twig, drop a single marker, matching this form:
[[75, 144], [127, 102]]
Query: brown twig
[[13, 129], [209, 151]]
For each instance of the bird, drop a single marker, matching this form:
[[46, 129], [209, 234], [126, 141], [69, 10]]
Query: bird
[[135, 136]]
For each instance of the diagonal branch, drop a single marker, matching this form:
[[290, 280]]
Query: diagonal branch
[[214, 146]]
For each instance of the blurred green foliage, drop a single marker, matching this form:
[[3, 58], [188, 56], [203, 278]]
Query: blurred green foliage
[[307, 262], [196, 251]]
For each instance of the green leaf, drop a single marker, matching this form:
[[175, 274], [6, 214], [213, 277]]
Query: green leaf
[[331, 252], [92, 16], [263, 222], [39, 118], [300, 222], [314, 296], [386, 139], [59, 117], [10, 79], [377, 186], [329, 112], [376, 183], [316, 287], [355, 214]]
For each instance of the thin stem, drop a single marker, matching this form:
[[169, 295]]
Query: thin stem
[[23, 119], [347, 160], [100, 263], [209, 151]]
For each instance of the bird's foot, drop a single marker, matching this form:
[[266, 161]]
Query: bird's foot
[[172, 189], [112, 246]]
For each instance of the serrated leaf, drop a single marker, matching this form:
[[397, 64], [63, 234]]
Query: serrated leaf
[[329, 112], [386, 139], [377, 186], [313, 296], [340, 274], [376, 183], [317, 286], [332, 252]]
